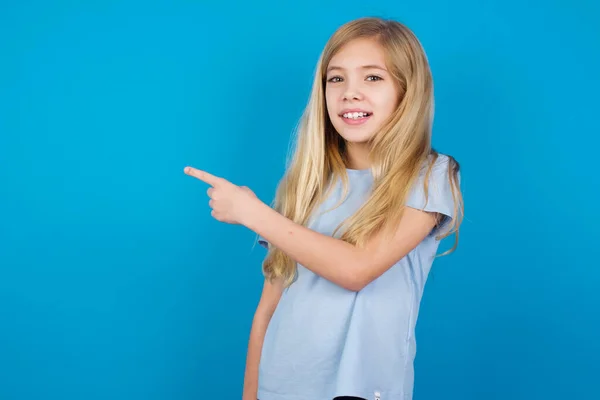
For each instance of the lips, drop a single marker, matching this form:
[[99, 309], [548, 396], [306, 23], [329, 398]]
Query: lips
[[355, 117], [354, 113]]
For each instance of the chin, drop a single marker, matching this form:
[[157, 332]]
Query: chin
[[355, 137]]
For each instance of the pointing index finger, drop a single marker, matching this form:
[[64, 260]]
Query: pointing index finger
[[203, 176]]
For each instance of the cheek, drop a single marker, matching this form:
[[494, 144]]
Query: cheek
[[330, 103], [387, 102], [329, 96]]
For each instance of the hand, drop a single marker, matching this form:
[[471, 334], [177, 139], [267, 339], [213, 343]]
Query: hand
[[230, 203]]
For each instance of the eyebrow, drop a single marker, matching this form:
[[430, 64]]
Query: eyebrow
[[373, 66]]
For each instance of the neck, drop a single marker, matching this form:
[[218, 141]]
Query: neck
[[357, 156]]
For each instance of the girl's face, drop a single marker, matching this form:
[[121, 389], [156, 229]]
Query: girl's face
[[360, 93]]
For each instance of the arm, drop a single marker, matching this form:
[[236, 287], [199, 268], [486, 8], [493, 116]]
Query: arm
[[340, 262], [268, 302], [333, 259]]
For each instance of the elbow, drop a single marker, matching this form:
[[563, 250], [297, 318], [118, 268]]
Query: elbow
[[357, 279], [356, 284], [357, 273], [362, 272]]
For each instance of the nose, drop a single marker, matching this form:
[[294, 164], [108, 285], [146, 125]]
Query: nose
[[352, 92]]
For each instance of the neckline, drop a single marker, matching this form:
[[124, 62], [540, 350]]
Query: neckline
[[351, 171]]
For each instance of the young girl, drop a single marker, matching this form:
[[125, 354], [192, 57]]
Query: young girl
[[355, 226]]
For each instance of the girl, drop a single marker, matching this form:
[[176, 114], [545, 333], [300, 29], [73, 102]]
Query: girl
[[355, 226]]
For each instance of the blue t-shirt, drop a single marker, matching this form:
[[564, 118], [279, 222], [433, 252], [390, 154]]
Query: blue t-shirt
[[325, 341]]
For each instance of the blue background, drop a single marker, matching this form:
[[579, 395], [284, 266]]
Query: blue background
[[116, 283]]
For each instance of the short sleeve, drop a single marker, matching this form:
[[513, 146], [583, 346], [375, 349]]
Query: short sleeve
[[263, 242], [439, 197]]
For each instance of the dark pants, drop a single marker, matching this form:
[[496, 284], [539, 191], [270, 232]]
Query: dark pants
[[348, 398]]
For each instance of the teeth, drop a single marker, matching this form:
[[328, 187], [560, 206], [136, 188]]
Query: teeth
[[355, 115]]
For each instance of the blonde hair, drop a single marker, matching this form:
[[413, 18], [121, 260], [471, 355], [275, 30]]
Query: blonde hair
[[398, 150]]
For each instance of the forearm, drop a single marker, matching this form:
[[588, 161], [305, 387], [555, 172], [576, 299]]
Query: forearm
[[331, 258], [255, 344]]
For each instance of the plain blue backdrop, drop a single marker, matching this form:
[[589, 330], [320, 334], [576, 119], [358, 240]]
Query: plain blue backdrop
[[116, 283]]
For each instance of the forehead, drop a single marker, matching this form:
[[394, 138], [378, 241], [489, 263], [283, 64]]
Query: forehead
[[359, 52]]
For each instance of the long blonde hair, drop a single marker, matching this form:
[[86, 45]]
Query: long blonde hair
[[397, 152]]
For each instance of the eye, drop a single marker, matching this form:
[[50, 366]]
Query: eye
[[334, 79], [375, 78]]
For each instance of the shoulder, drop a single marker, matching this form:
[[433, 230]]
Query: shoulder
[[437, 185], [439, 163], [437, 170]]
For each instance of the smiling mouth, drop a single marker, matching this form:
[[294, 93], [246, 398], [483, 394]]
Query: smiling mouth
[[356, 115], [356, 118]]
